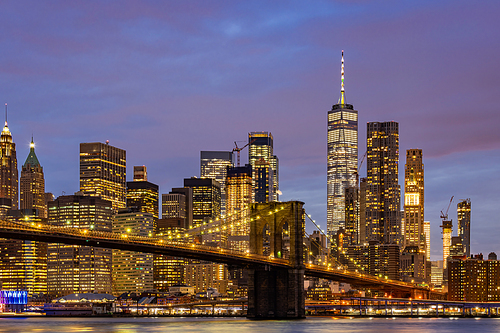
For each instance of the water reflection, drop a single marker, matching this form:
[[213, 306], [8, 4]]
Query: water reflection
[[239, 325]]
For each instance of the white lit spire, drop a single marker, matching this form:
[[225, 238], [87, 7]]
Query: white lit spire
[[342, 92]]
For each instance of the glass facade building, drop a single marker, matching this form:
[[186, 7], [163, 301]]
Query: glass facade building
[[414, 234], [463, 213], [214, 164], [76, 268], [261, 149], [133, 271], [383, 193], [103, 172], [206, 199], [342, 159], [239, 198]]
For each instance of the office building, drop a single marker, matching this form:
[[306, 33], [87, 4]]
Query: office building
[[206, 199], [427, 232], [263, 181], [414, 201], [206, 275], [178, 204], [32, 184], [446, 230], [376, 259], [413, 265], [23, 263], [474, 280], [239, 197], [76, 268], [132, 271], [8, 171], [103, 173], [352, 215], [168, 270], [214, 164], [342, 158], [463, 213], [142, 194], [383, 216], [261, 149]]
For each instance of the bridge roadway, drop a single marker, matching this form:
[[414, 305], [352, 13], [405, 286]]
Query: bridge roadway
[[157, 245]]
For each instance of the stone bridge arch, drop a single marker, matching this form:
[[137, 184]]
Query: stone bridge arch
[[277, 292]]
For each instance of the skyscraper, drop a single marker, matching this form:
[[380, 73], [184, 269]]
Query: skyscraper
[[23, 263], [342, 159], [427, 232], [142, 194], [214, 164], [32, 184], [414, 201], [261, 148], [76, 268], [239, 198], [463, 213], [103, 172], [206, 199], [8, 171], [383, 216], [132, 271]]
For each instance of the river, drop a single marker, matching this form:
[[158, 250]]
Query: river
[[241, 325]]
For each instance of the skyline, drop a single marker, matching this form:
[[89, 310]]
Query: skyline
[[79, 72]]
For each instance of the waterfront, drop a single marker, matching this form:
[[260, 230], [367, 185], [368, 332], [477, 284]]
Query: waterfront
[[322, 324]]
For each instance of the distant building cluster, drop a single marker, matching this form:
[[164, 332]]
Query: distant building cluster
[[106, 201]]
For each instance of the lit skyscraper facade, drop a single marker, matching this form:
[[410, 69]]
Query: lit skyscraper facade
[[103, 172], [23, 263], [142, 194], [342, 159], [8, 171], [76, 268], [206, 199], [261, 148], [132, 271], [214, 164], [32, 184], [427, 232], [239, 198], [414, 201], [382, 212], [463, 213]]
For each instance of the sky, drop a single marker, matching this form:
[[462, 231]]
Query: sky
[[165, 80]]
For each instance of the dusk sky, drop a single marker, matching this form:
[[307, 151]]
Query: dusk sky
[[166, 79]]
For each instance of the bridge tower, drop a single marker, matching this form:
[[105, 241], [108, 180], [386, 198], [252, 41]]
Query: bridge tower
[[277, 292]]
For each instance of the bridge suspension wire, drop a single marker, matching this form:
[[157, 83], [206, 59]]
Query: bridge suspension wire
[[335, 260]]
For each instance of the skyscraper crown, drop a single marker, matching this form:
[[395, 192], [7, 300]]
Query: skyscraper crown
[[31, 160]]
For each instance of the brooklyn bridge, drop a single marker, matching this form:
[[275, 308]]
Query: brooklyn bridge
[[276, 284]]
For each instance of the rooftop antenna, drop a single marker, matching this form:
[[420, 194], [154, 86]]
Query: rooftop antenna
[[5, 113], [342, 92]]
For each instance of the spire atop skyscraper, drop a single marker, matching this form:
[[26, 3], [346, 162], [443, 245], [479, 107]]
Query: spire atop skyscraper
[[342, 92], [31, 160], [5, 114]]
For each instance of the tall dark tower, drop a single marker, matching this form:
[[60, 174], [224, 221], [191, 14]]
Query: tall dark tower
[[32, 184], [463, 212], [8, 171], [342, 160]]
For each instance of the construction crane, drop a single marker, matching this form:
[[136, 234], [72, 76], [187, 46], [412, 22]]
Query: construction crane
[[238, 149], [444, 216], [447, 226], [359, 167]]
